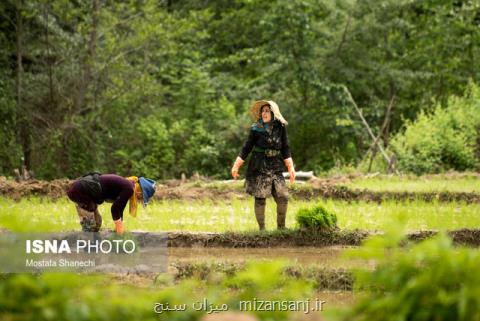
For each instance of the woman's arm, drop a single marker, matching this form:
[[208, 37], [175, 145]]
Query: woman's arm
[[287, 156]]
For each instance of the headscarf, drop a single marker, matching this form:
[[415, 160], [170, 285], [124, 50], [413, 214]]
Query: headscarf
[[256, 106], [262, 127], [133, 199], [143, 188], [148, 189]]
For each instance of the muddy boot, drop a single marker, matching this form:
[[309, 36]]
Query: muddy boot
[[260, 212], [282, 205], [119, 226]]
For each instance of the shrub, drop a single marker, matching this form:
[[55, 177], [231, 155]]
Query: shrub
[[72, 297], [432, 280], [316, 218], [444, 140]]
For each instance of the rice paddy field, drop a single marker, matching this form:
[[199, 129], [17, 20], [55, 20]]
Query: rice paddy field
[[454, 182], [320, 272], [237, 215]]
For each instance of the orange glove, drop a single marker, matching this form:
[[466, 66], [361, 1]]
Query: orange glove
[[236, 166], [291, 171], [118, 226]]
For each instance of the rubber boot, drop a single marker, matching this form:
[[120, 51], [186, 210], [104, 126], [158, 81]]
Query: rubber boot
[[118, 226], [282, 205], [260, 212]]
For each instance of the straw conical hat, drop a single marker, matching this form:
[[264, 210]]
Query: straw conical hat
[[256, 106]]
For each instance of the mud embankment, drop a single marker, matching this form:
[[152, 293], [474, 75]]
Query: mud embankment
[[344, 193], [289, 238], [52, 189], [275, 239], [175, 190]]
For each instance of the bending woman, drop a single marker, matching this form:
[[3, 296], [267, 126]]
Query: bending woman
[[93, 189]]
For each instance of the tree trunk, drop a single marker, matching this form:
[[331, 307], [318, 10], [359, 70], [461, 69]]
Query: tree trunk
[[88, 62], [379, 146], [22, 116], [49, 61]]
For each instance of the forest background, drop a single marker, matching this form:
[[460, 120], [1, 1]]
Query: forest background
[[161, 88]]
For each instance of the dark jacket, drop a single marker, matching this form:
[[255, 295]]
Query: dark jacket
[[261, 140], [116, 189]]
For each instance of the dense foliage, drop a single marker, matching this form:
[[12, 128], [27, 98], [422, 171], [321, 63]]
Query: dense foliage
[[446, 139], [161, 88], [57, 296], [432, 280]]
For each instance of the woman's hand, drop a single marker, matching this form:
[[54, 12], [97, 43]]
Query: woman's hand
[[291, 171], [236, 166]]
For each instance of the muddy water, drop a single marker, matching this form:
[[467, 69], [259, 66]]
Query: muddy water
[[336, 298], [324, 256]]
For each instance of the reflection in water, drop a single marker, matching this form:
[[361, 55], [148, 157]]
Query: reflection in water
[[322, 256], [336, 298]]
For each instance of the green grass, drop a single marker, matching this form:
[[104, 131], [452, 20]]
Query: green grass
[[36, 214], [428, 183]]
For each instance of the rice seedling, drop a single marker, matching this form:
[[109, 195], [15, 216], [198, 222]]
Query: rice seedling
[[469, 183], [37, 214]]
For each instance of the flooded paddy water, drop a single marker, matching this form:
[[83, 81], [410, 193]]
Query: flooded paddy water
[[330, 256], [326, 267]]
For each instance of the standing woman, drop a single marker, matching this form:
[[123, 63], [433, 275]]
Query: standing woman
[[269, 142], [93, 189]]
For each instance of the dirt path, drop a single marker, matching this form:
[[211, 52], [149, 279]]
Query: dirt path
[[282, 239], [176, 190], [295, 238]]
